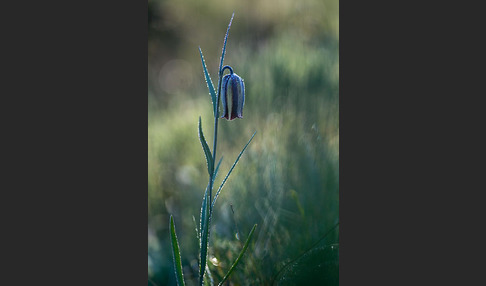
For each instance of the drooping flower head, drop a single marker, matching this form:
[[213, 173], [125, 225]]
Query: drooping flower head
[[233, 96]]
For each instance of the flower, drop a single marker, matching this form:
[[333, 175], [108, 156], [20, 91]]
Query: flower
[[233, 97]]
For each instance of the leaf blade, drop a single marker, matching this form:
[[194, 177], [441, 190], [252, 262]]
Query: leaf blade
[[196, 229], [247, 242], [209, 82], [232, 167], [204, 229], [217, 168], [176, 254], [209, 278], [207, 152], [225, 40]]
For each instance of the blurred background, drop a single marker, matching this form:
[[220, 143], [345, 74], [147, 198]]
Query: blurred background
[[287, 181]]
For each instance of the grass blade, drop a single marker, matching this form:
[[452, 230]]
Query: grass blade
[[224, 45], [204, 228], [209, 83], [176, 254], [197, 230], [217, 169], [209, 277], [239, 256], [207, 152], [232, 167]]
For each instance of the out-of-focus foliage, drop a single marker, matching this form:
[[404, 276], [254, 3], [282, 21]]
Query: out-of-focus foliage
[[287, 181]]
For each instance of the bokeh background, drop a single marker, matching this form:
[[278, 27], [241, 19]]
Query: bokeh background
[[287, 181]]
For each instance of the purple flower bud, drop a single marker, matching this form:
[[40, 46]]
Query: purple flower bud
[[233, 96]]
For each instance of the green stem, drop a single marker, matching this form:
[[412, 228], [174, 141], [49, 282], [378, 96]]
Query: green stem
[[215, 143], [215, 140]]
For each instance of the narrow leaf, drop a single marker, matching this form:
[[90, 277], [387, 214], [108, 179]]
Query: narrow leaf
[[207, 152], [204, 228], [176, 254], [239, 256], [209, 83], [217, 169], [224, 45], [196, 228], [209, 277], [202, 216], [232, 167]]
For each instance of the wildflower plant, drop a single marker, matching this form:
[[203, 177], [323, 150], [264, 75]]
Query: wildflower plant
[[231, 91]]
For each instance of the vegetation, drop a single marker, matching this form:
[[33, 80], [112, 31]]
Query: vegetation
[[289, 181]]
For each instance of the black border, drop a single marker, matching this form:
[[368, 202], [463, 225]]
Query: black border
[[403, 118], [77, 154]]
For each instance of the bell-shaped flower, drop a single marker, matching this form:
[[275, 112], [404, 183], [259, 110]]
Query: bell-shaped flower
[[233, 96]]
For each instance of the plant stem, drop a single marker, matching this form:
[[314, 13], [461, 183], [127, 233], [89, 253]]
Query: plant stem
[[215, 139], [215, 143]]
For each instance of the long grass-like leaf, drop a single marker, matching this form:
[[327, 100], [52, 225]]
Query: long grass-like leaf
[[209, 83], [207, 152], [232, 167], [202, 216], [209, 277], [204, 228], [217, 169], [176, 254], [224, 45], [196, 229], [239, 256]]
